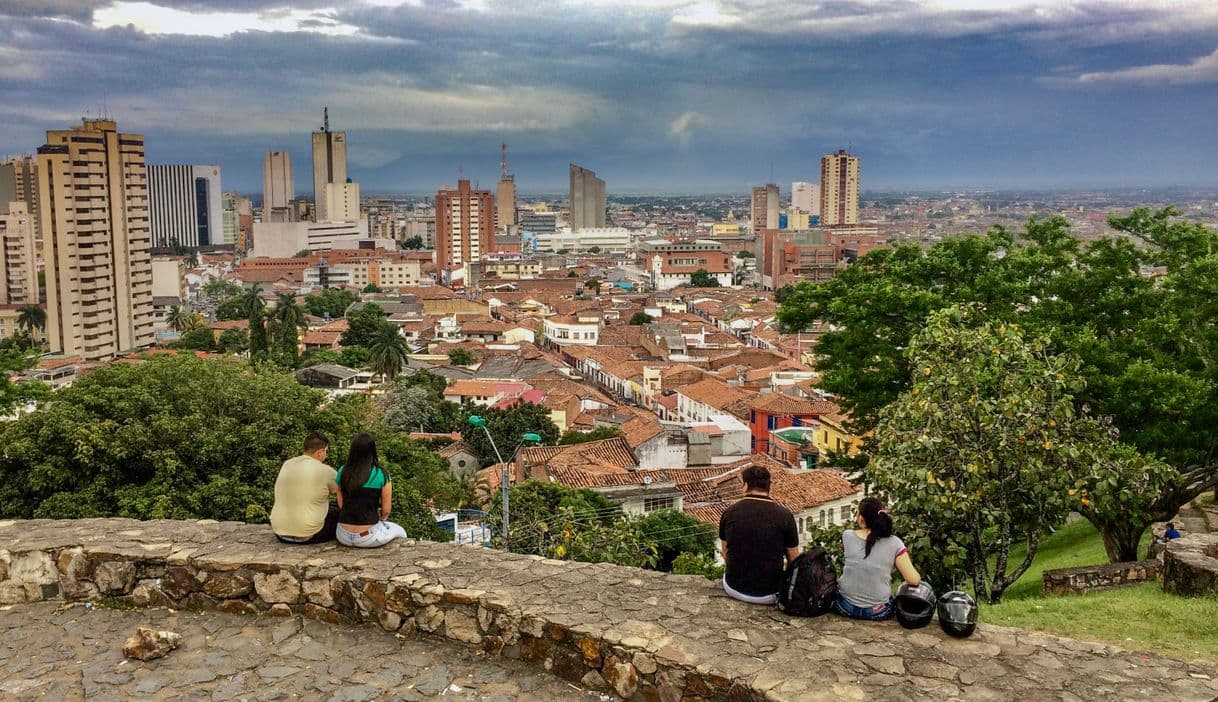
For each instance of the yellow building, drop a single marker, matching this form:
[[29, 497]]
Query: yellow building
[[725, 229], [831, 435]]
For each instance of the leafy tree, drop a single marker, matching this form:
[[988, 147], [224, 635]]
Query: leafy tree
[[387, 353], [354, 357], [433, 383], [507, 425], [571, 538], [702, 279], [331, 302], [534, 510], [414, 243], [594, 249], [697, 564], [408, 408], [289, 319], [303, 253], [31, 317], [364, 325], [745, 254], [1143, 343], [218, 290], [563, 252], [197, 339], [318, 356], [461, 357], [986, 449], [782, 293], [14, 395], [574, 436], [254, 306], [640, 318], [234, 340], [594, 285], [673, 532], [370, 288], [232, 308]]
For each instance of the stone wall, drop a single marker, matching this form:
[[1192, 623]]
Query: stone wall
[[638, 634], [1070, 581], [1190, 565]]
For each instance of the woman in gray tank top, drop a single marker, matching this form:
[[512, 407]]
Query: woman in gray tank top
[[864, 591]]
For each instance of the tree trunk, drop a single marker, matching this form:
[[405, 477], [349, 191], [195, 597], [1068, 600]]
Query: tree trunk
[[1121, 540]]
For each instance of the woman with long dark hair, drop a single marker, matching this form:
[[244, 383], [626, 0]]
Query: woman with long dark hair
[[365, 498], [871, 554]]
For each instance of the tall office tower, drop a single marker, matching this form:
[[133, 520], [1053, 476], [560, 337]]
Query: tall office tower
[[18, 182], [278, 189], [839, 189], [93, 189], [330, 168], [587, 199], [805, 197], [505, 194], [18, 264], [184, 206], [464, 225], [765, 208]]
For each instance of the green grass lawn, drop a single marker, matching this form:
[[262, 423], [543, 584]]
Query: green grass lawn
[[1140, 617]]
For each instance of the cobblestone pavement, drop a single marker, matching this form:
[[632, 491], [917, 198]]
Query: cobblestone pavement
[[74, 652]]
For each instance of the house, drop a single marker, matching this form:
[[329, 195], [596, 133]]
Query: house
[[777, 411], [696, 402], [316, 339], [328, 375], [570, 329], [483, 392], [462, 460]]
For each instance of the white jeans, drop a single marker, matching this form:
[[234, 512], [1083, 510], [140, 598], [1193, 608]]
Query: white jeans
[[750, 599], [379, 534]]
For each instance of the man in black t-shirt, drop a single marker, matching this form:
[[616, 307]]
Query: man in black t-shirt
[[756, 533]]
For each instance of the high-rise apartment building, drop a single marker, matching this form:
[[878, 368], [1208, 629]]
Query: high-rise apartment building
[[18, 256], [464, 225], [764, 208], [505, 194], [184, 206], [93, 190], [335, 197], [805, 197], [18, 183], [587, 199], [278, 189], [839, 189], [238, 220]]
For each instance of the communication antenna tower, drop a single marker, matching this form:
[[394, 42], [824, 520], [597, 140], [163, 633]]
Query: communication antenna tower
[[325, 118], [505, 171]]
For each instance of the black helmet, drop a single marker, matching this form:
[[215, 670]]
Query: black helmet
[[915, 606], [957, 614]]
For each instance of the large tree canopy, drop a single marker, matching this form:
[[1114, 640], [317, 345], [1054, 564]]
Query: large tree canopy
[[1148, 344], [183, 437]]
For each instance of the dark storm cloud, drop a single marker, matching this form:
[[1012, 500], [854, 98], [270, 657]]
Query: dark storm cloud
[[695, 94]]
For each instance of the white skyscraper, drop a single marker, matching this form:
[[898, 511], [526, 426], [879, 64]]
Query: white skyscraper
[[185, 206], [278, 189], [806, 197]]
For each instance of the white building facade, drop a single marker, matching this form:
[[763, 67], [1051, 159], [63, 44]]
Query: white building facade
[[185, 206]]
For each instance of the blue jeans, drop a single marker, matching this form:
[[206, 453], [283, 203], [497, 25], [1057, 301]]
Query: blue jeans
[[843, 607]]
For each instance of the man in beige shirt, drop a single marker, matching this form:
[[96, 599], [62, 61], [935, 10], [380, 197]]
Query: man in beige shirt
[[303, 512]]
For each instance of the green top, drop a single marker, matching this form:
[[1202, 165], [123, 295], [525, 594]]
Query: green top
[[376, 478]]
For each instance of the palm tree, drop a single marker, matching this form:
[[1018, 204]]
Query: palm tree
[[194, 320], [289, 317], [251, 301], [31, 317], [176, 318], [387, 352]]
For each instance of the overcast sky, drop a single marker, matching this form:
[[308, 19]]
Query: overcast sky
[[676, 95]]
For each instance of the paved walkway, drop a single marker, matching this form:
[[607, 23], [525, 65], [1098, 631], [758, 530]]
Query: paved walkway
[[74, 652], [661, 636]]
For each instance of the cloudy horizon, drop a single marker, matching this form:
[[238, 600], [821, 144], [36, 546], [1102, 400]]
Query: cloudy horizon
[[672, 95]]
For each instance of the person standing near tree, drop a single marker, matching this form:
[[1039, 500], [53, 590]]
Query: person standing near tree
[[756, 534]]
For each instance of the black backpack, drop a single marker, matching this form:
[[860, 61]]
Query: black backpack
[[809, 585]]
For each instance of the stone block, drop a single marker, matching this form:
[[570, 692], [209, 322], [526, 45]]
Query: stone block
[[114, 577], [429, 619], [237, 607], [622, 676], [461, 626], [178, 582], [227, 585], [27, 574], [277, 587], [318, 592]]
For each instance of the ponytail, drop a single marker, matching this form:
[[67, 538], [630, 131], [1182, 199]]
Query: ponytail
[[878, 522]]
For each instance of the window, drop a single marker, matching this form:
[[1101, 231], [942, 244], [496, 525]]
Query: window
[[845, 514], [822, 517], [651, 504], [771, 422], [797, 421], [461, 464]]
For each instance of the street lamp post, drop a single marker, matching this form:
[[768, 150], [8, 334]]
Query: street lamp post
[[505, 478]]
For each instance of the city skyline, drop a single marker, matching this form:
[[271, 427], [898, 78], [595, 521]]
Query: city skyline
[[667, 94]]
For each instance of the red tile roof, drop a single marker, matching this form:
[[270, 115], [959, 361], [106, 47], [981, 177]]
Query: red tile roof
[[779, 403]]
